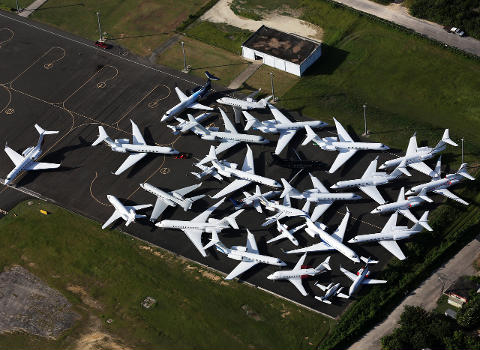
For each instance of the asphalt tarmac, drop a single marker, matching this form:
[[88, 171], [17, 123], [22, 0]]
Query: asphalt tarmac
[[65, 83]]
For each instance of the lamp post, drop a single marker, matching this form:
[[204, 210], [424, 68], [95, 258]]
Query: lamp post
[[273, 87], [99, 28], [462, 150], [18, 7], [185, 69], [365, 119]]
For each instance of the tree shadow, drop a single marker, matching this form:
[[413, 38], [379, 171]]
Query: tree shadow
[[137, 36], [220, 65], [43, 8]]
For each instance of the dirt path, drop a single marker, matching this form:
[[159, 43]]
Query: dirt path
[[221, 13]]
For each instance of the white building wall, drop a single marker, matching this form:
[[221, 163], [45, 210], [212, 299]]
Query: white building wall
[[248, 53], [314, 56], [292, 68], [272, 61]]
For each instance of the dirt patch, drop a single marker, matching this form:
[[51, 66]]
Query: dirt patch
[[86, 299], [95, 338], [250, 313], [476, 263], [284, 312]]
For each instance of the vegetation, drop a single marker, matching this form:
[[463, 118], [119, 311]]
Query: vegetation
[[261, 80], [421, 330], [195, 307], [238, 7], [192, 18], [455, 13], [469, 315]]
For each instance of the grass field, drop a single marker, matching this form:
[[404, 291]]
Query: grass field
[[261, 79], [195, 307]]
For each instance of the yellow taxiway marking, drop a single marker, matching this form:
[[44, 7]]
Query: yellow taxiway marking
[[12, 34]]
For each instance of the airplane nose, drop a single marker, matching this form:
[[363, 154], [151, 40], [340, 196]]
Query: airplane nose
[[409, 192], [381, 167], [270, 277], [356, 259], [357, 197], [334, 186], [374, 211], [282, 263]]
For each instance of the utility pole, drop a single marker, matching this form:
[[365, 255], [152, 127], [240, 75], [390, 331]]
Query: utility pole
[[185, 69], [462, 150], [18, 7], [273, 87], [99, 28], [365, 119]]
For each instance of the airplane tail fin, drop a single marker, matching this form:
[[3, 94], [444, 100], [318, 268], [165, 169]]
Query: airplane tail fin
[[288, 190], [102, 136], [41, 131], [265, 100], [131, 217], [462, 171], [231, 219], [325, 264], [368, 260], [212, 155], [174, 130], [251, 121], [311, 135], [445, 139], [210, 76], [423, 222]]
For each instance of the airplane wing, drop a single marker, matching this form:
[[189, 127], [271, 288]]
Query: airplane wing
[[341, 159], [412, 146], [391, 223], [41, 166], [228, 124], [137, 135], [373, 192], [158, 209], [297, 282], [279, 117], [197, 105], [283, 140], [408, 214], [115, 216], [203, 217], [300, 262], [421, 167], [342, 133], [445, 192], [241, 268], [318, 185], [347, 273], [131, 160], [224, 145], [371, 170], [372, 281], [232, 187], [248, 165], [182, 97], [340, 231], [319, 247], [14, 156], [196, 237], [319, 210], [137, 207], [251, 243], [186, 190], [394, 248]]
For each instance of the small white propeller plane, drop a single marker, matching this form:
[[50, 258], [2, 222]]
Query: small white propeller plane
[[138, 149], [415, 155], [298, 272], [125, 212], [249, 256], [184, 126], [331, 290], [344, 144], [246, 103], [391, 233], [440, 185], [280, 125], [286, 233], [190, 101], [361, 277], [172, 198], [27, 160]]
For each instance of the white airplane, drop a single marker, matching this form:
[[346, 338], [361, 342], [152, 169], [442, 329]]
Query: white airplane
[[283, 210], [200, 224], [246, 103], [402, 205], [298, 272], [228, 138], [440, 186], [254, 199], [286, 233], [280, 125], [184, 126], [172, 198], [415, 155], [371, 179], [391, 233], [248, 256], [329, 242], [244, 177], [190, 101], [26, 160], [361, 277], [125, 212], [207, 171], [343, 143], [138, 149], [331, 290], [318, 195]]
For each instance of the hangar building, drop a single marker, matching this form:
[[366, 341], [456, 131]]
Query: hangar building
[[288, 52]]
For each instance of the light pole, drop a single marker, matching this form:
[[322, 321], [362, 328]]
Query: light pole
[[99, 28], [273, 87], [18, 7], [365, 119], [185, 69], [462, 150]]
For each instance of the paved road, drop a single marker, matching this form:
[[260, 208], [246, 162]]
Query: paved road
[[398, 15], [32, 7], [426, 295]]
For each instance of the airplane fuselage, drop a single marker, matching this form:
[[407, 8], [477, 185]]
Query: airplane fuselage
[[183, 105], [31, 154], [118, 206], [422, 154], [240, 253], [185, 225], [242, 104], [331, 144], [362, 273], [274, 127], [229, 171], [404, 204], [221, 135], [283, 275], [434, 185], [166, 197], [400, 233], [373, 181], [331, 291], [332, 242], [314, 195], [129, 148]]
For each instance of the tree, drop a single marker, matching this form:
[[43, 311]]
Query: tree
[[469, 316]]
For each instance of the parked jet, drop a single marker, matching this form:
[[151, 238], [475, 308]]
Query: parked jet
[[440, 186], [190, 101], [200, 224], [298, 272], [360, 278], [402, 205], [280, 125], [246, 103], [371, 179], [343, 143], [329, 242], [207, 171], [318, 195], [248, 256], [244, 177], [27, 160], [415, 155], [283, 210], [391, 233], [331, 290], [297, 164], [172, 198], [228, 138], [286, 233], [254, 199], [138, 148], [184, 126], [125, 212]]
